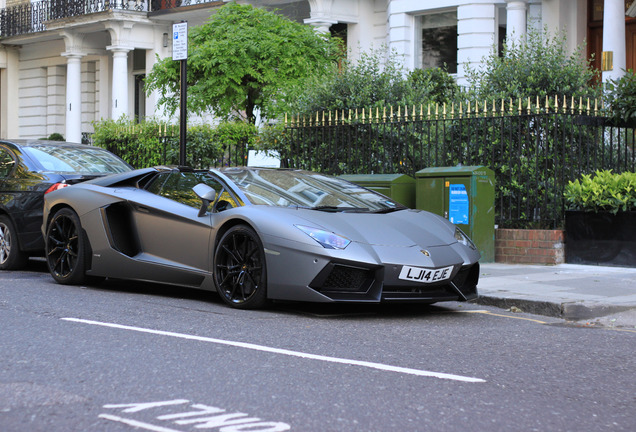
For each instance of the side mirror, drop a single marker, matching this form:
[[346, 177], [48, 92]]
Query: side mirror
[[207, 195]]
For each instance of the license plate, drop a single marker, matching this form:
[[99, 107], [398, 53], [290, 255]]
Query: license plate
[[424, 275]]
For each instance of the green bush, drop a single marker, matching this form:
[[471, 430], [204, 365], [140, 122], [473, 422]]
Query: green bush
[[230, 141], [377, 80], [605, 191], [621, 98], [434, 85], [140, 144], [539, 66], [152, 143]]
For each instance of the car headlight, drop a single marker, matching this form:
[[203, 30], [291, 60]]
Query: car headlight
[[463, 239], [326, 239]]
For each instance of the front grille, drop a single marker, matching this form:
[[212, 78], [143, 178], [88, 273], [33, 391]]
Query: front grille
[[345, 279]]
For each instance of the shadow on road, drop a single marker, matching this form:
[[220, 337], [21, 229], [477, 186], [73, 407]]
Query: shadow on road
[[315, 310]]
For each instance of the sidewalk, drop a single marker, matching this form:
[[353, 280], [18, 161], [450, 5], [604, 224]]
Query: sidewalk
[[569, 291]]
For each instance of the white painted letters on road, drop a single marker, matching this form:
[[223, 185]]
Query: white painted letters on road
[[198, 416]]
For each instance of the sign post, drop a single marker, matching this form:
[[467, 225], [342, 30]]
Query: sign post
[[180, 52]]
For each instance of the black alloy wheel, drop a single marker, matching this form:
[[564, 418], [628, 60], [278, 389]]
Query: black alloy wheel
[[66, 248], [11, 257], [239, 268]]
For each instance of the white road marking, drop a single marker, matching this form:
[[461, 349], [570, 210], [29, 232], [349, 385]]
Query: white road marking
[[263, 348], [136, 407], [136, 424]]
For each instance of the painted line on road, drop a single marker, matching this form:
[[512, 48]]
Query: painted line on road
[[136, 424], [263, 348]]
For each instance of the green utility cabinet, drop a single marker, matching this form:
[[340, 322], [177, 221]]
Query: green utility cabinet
[[398, 187], [465, 195]]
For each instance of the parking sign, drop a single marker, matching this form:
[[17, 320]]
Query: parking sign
[[180, 41]]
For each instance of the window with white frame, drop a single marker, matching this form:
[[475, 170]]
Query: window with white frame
[[439, 41]]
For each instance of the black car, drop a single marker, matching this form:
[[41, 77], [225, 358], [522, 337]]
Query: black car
[[28, 170]]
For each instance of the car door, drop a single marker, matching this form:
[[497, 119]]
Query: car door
[[169, 229], [21, 196]]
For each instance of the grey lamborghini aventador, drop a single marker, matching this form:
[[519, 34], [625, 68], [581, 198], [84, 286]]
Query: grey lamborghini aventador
[[256, 234]]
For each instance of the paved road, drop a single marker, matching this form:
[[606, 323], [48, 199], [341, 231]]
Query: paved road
[[121, 356]]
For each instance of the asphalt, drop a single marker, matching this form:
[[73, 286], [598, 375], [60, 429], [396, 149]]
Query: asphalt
[[580, 293]]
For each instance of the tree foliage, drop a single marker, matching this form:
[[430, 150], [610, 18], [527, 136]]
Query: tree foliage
[[242, 59]]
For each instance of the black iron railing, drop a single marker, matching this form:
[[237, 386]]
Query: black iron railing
[[534, 152], [32, 17], [157, 5]]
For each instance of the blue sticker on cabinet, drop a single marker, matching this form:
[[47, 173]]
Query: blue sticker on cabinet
[[458, 204]]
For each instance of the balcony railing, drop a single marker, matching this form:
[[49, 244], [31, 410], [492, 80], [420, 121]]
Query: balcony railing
[[32, 17]]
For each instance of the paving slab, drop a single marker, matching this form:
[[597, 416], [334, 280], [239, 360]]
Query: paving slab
[[569, 291]]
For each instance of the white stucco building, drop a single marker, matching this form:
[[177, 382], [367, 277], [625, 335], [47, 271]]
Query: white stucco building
[[66, 63]]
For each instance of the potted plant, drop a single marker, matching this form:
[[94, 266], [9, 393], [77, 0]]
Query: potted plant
[[600, 219]]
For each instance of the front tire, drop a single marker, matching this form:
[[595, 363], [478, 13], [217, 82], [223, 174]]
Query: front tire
[[11, 257], [240, 273], [66, 248]]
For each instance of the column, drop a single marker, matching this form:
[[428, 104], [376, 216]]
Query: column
[[119, 103], [321, 25], [476, 30], [613, 59], [516, 21], [321, 15], [73, 97]]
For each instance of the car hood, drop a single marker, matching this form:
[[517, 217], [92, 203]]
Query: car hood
[[403, 228]]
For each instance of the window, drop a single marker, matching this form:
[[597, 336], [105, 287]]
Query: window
[[439, 41], [6, 163], [178, 187], [90, 160]]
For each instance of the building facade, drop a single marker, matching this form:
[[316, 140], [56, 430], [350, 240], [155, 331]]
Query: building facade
[[67, 63]]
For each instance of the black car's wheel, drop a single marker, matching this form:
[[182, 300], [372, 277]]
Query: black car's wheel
[[11, 257], [239, 268], [66, 248]]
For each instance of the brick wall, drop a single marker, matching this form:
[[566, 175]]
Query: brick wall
[[526, 246]]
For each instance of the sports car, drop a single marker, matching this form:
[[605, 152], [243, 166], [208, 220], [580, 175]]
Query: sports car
[[254, 235]]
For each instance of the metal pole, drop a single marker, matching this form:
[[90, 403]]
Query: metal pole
[[183, 113]]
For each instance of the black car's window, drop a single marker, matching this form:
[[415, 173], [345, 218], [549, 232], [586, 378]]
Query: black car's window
[[87, 160], [178, 186], [6, 163]]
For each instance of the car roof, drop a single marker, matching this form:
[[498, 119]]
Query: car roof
[[36, 142]]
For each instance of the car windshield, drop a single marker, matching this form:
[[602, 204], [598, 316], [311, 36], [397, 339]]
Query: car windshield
[[87, 160], [307, 189]]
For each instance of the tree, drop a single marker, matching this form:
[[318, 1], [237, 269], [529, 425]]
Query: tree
[[243, 58]]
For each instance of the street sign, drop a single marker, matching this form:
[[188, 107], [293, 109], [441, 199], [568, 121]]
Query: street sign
[[180, 41]]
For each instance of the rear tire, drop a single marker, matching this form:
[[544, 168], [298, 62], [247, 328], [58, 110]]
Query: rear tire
[[240, 273], [66, 251], [11, 257]]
